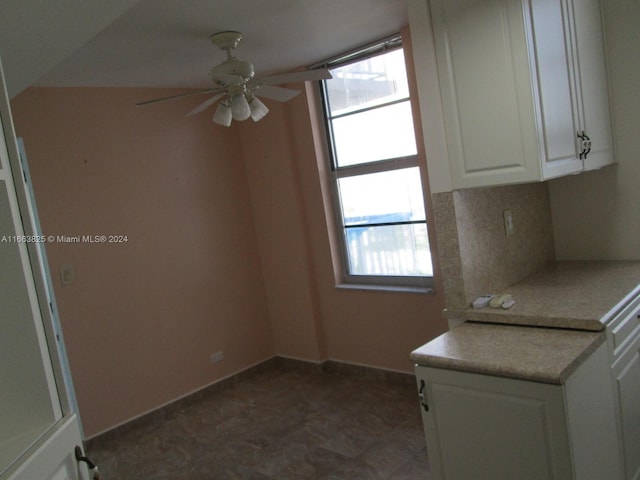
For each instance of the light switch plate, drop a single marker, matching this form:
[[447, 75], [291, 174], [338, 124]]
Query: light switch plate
[[67, 274]]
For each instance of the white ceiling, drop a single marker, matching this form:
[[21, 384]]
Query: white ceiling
[[165, 43]]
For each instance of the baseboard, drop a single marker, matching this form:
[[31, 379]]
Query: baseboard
[[373, 373], [186, 399], [280, 363]]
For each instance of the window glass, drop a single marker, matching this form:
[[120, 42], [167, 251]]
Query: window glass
[[373, 135], [367, 83], [382, 197], [401, 250], [377, 180]]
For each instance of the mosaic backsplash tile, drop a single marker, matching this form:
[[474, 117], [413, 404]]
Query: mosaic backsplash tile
[[476, 255]]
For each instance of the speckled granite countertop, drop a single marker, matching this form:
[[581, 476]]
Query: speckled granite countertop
[[546, 355], [575, 295], [577, 299]]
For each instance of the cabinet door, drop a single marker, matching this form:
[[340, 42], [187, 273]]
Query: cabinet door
[[509, 90], [487, 98], [591, 69], [555, 90], [489, 428], [626, 372]]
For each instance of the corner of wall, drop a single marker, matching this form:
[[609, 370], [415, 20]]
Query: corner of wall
[[476, 255], [449, 255]]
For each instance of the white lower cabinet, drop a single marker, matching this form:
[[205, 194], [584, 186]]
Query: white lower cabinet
[[623, 335], [485, 427], [626, 375]]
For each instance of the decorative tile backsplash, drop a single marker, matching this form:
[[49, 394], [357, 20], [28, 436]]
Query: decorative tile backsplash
[[476, 255]]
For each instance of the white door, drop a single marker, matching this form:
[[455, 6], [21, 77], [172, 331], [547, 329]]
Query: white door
[[39, 429]]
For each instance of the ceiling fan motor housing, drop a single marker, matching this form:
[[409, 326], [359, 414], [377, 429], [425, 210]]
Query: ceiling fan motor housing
[[234, 67], [226, 40]]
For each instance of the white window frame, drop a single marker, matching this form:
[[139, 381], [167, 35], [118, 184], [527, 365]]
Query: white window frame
[[349, 280]]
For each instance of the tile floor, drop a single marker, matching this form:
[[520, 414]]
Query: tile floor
[[278, 423]]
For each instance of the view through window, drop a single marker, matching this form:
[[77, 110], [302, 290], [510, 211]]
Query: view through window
[[378, 188]]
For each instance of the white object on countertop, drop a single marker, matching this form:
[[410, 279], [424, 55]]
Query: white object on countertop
[[499, 300], [508, 304], [482, 301]]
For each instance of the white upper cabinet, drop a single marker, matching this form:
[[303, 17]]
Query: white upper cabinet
[[523, 88], [592, 68]]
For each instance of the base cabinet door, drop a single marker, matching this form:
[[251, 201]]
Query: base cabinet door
[[484, 427], [626, 373], [623, 338], [489, 428]]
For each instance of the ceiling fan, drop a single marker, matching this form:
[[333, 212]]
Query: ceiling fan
[[238, 88]]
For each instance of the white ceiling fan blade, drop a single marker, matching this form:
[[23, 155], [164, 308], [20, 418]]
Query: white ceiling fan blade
[[279, 94], [305, 76], [204, 105], [180, 95]]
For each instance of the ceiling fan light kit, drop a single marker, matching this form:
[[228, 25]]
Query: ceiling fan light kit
[[223, 115], [258, 109], [237, 85], [240, 107]]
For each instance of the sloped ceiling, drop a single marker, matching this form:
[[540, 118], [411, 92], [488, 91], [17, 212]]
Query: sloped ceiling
[[37, 35], [165, 43]]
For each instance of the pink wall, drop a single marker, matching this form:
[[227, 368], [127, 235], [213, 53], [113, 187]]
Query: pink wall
[[282, 233], [369, 327], [229, 248], [143, 317], [311, 318]]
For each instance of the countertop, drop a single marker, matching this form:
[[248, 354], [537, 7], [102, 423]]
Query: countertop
[[546, 355], [574, 295], [573, 301]]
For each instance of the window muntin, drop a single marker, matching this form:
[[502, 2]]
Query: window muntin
[[377, 181]]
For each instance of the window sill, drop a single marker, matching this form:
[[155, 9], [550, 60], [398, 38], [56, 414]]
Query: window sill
[[385, 288]]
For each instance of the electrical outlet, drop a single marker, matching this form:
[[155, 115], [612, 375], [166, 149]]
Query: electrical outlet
[[216, 357], [508, 223]]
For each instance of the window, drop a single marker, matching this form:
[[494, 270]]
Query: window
[[376, 174]]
